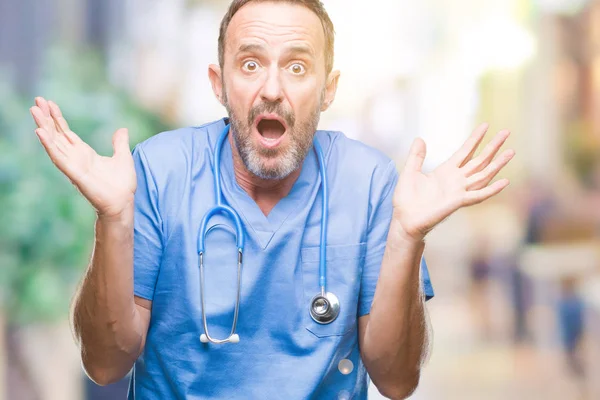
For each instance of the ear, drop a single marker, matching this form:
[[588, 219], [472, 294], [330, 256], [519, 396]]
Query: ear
[[214, 74], [330, 89]]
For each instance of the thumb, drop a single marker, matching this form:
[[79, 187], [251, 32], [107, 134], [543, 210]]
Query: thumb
[[416, 155], [120, 141]]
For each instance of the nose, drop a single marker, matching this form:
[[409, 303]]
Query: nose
[[272, 89]]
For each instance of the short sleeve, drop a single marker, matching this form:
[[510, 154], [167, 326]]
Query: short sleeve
[[379, 223], [148, 238]]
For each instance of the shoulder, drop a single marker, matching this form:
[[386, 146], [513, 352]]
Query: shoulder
[[360, 176], [178, 149], [179, 142], [166, 162], [168, 140], [351, 157]]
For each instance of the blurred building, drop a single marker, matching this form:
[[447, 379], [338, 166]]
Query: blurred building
[[28, 28]]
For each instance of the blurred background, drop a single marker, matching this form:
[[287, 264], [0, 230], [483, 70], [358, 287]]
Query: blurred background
[[517, 279]]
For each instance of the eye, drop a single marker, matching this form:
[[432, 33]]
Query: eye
[[250, 66], [297, 69]]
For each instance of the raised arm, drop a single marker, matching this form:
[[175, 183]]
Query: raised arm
[[394, 338], [109, 323]]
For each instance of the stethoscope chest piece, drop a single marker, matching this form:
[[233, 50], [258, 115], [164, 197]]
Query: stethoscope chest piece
[[324, 309]]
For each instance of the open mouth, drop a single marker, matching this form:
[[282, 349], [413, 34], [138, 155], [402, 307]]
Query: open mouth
[[271, 128]]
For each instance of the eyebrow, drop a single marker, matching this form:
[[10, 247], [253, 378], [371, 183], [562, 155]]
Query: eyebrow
[[299, 49], [251, 48], [259, 48]]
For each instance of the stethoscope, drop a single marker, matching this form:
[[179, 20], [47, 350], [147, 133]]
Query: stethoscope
[[324, 306]]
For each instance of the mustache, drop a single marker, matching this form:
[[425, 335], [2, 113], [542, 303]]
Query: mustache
[[274, 108]]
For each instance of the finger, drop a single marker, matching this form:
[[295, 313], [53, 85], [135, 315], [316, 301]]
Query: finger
[[464, 154], [483, 178], [43, 105], [57, 116], [120, 142], [41, 121], [62, 124], [416, 155], [38, 116], [56, 152], [488, 153], [477, 196], [480, 136]]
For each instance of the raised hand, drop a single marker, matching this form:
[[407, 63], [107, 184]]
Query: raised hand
[[421, 201], [108, 183]]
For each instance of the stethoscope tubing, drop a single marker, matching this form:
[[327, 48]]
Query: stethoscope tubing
[[220, 207]]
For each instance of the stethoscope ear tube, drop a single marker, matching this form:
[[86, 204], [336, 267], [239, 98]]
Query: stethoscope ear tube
[[231, 213], [224, 210], [233, 337]]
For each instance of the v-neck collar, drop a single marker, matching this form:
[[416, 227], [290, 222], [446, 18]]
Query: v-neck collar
[[265, 226]]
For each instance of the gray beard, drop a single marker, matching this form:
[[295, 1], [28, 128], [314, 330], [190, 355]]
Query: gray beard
[[301, 136]]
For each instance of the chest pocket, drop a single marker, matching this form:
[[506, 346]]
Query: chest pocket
[[344, 266]]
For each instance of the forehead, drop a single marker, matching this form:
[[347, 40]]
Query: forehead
[[275, 24]]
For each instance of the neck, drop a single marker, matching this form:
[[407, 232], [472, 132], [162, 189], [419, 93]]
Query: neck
[[265, 192]]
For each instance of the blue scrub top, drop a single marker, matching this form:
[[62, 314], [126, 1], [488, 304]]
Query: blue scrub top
[[282, 353]]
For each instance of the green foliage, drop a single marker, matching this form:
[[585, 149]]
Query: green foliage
[[46, 226]]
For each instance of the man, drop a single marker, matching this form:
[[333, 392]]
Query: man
[[139, 303]]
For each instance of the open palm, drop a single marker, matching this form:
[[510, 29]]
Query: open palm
[[423, 200], [108, 183]]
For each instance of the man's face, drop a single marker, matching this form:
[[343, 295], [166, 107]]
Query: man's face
[[274, 85]]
